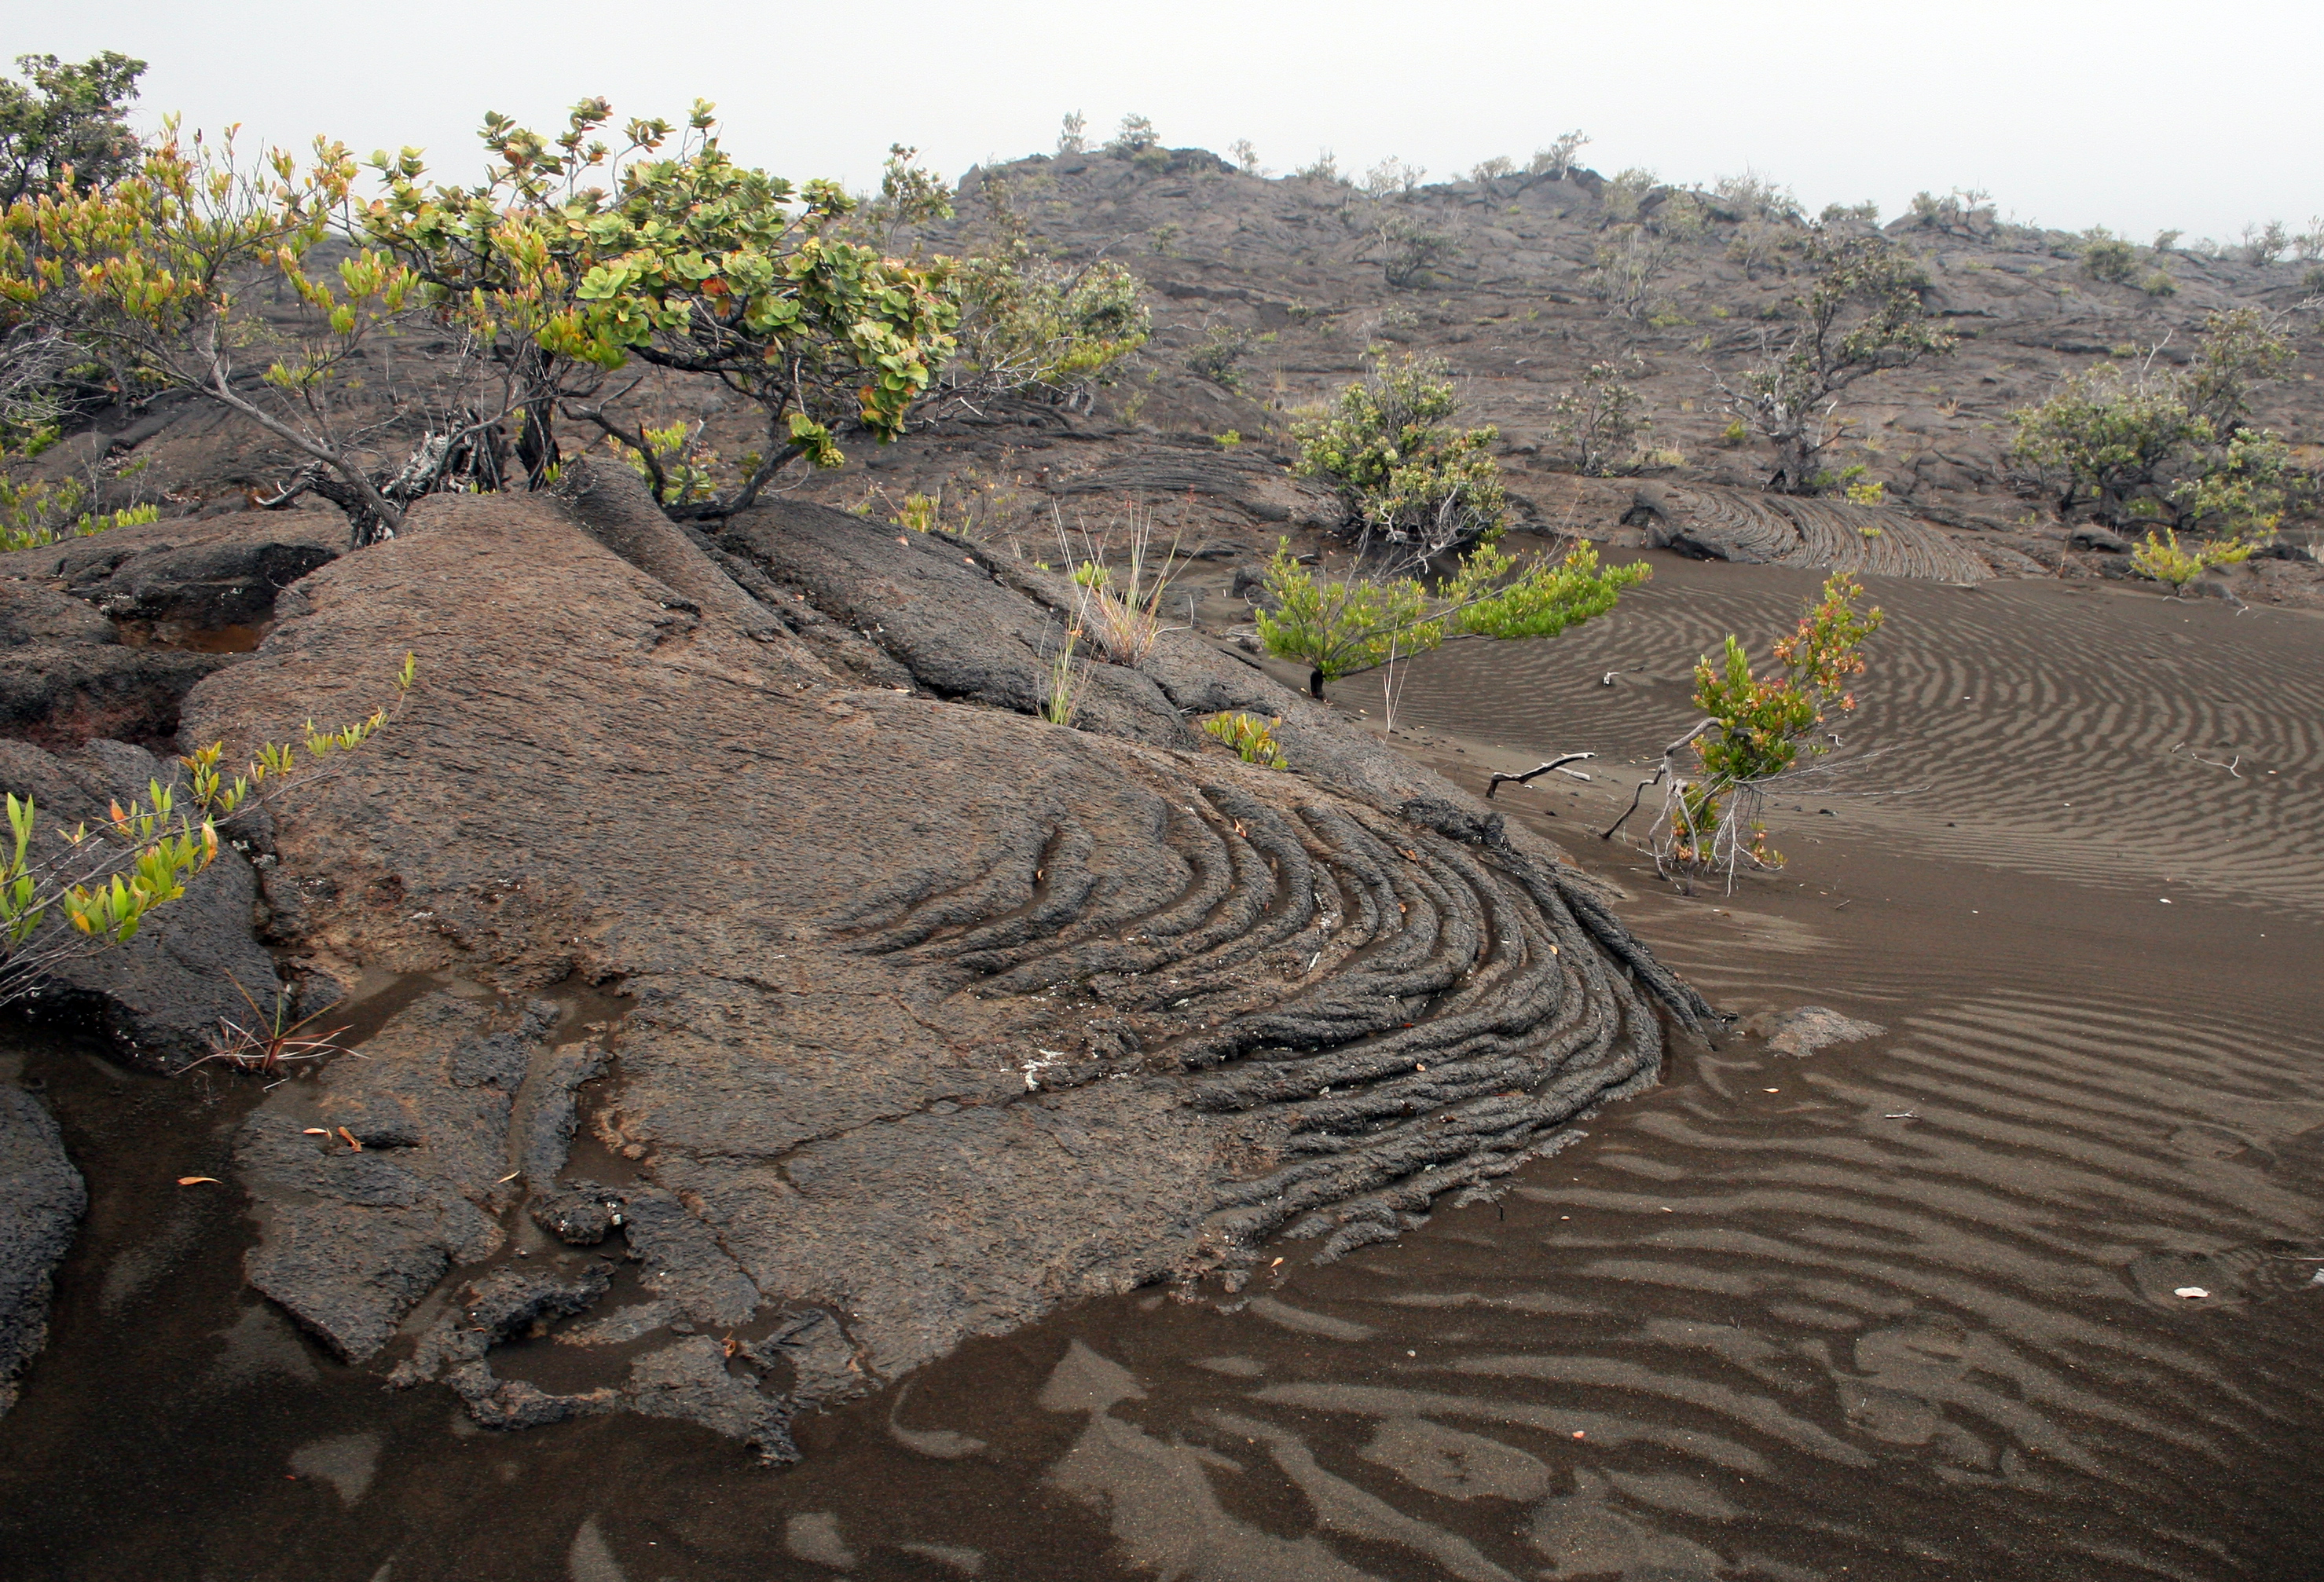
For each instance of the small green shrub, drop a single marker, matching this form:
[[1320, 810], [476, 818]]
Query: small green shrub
[[1756, 729], [106, 879], [1867, 211], [2161, 559], [1338, 628], [2140, 445], [1412, 251], [1751, 195], [2108, 257], [67, 120], [1135, 136], [35, 512], [1215, 359], [2264, 245], [1410, 480], [1393, 176], [1324, 167], [1625, 197], [1252, 741], [1558, 158], [1228, 440], [2158, 283], [1601, 419], [1966, 213], [1625, 268]]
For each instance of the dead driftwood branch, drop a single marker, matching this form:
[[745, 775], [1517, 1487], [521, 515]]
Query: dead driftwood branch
[[1660, 775], [1558, 764]]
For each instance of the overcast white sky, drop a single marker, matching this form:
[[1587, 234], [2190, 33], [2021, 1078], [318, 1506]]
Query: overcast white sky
[[2131, 114]]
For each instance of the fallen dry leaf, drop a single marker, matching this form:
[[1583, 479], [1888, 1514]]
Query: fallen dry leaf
[[198, 1180]]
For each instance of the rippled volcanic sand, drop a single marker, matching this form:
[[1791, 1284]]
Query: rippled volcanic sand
[[1909, 1314]]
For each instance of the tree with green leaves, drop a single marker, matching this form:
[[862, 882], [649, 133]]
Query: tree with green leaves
[[1860, 314], [1415, 486], [2141, 446], [688, 261], [67, 123], [1343, 625], [159, 278]]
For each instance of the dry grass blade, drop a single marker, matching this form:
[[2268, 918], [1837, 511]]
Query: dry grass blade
[[1123, 610]]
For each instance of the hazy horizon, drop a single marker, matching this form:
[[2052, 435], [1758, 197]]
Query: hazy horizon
[[2068, 115]]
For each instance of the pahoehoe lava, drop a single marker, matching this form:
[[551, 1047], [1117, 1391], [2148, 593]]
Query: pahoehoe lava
[[898, 966]]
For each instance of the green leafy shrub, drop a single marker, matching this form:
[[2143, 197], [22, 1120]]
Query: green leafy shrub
[[35, 512], [1601, 419], [2108, 257], [2141, 446], [1624, 198], [1757, 729], [1357, 623], [1392, 176], [106, 880], [1031, 325], [2161, 559], [66, 119], [1324, 167], [1680, 217], [1215, 359], [144, 278], [1558, 158], [1751, 195], [1625, 267], [1135, 136], [2158, 283], [1410, 480], [1412, 251], [1253, 741], [2266, 244], [689, 261], [1869, 211], [1961, 213]]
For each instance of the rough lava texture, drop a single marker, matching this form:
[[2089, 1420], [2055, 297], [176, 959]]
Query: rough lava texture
[[67, 677], [41, 1204], [941, 1013]]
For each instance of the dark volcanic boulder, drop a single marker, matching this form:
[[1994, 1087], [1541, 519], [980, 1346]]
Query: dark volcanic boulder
[[41, 1204], [197, 573], [66, 677], [941, 1013]]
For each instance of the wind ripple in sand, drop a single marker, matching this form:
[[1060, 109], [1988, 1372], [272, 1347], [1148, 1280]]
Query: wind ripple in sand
[[1791, 1334], [2021, 726]]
